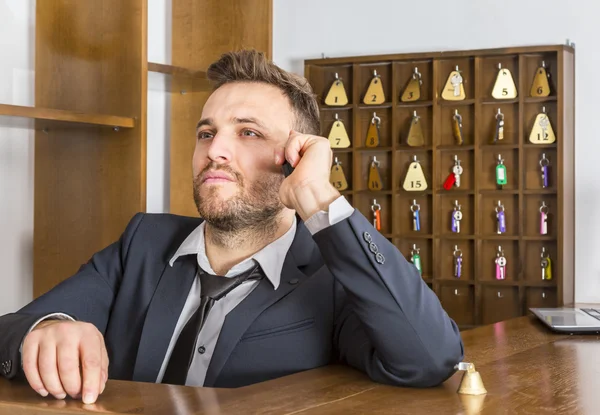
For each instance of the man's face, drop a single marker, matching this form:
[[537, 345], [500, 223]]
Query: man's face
[[236, 180]]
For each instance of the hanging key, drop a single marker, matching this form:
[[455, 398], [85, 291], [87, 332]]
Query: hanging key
[[374, 175], [337, 94], [544, 163], [416, 258], [415, 208], [458, 258], [544, 218], [457, 170], [373, 132], [500, 215], [456, 217], [501, 179], [454, 89], [412, 92], [500, 264], [546, 265], [376, 208], [457, 128], [499, 131]]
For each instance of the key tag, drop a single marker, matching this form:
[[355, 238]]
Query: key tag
[[412, 92], [375, 94], [544, 209], [541, 82], [457, 127], [501, 178], [373, 131], [453, 178], [499, 130], [337, 177], [376, 208], [505, 87], [337, 93], [415, 178], [416, 258], [338, 136], [542, 132], [458, 258], [415, 133], [500, 215], [500, 264], [546, 265], [454, 89], [456, 217], [415, 209], [374, 176], [544, 164]]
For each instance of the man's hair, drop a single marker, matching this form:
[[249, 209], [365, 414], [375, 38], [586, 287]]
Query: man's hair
[[253, 66]]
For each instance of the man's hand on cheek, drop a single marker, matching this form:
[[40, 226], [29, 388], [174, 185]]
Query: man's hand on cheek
[[307, 190]]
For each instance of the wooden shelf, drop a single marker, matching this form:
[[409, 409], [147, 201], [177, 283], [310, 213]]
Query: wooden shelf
[[182, 80], [54, 117]]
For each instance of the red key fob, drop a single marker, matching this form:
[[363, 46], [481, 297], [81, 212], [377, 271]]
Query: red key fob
[[450, 181]]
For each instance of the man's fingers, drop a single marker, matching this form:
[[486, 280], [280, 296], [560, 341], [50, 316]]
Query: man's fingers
[[30, 352], [91, 366], [105, 363], [68, 366], [49, 370]]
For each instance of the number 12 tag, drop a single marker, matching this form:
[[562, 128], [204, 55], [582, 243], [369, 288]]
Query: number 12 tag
[[415, 178]]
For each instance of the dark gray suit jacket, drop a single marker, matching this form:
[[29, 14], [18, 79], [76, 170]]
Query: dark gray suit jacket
[[347, 294]]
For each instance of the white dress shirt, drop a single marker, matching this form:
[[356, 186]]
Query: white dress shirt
[[270, 258]]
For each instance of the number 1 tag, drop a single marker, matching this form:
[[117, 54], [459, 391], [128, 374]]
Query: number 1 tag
[[375, 94], [338, 136], [374, 176], [415, 133], [501, 178], [337, 93], [337, 177], [541, 86], [505, 87], [415, 179], [373, 131]]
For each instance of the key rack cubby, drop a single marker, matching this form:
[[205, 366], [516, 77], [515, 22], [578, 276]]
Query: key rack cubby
[[477, 297]]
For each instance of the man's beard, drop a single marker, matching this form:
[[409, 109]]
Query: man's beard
[[253, 208]]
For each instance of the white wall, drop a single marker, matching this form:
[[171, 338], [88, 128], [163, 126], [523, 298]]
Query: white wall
[[17, 37], [306, 29]]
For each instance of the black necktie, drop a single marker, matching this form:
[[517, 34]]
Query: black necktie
[[212, 288]]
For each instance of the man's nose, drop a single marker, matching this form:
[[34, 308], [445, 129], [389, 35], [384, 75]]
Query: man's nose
[[221, 148]]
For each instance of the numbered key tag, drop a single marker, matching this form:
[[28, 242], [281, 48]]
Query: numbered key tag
[[499, 130], [544, 164], [501, 178], [501, 218], [505, 87], [415, 178], [454, 89], [376, 208], [415, 209], [500, 264], [546, 265], [544, 209], [416, 258], [374, 176], [412, 92], [337, 93], [373, 131], [415, 133], [375, 94], [541, 82], [458, 259], [542, 132], [338, 136], [457, 127], [337, 178]]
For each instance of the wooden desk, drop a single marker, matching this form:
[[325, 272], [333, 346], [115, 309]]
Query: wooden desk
[[525, 368]]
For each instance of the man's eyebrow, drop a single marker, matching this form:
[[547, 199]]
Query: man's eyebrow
[[250, 121], [205, 121]]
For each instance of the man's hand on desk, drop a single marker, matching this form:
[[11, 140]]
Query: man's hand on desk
[[66, 357]]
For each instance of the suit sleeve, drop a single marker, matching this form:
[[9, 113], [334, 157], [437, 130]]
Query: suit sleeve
[[389, 323], [86, 296]]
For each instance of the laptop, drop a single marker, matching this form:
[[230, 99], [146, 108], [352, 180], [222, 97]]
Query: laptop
[[570, 320]]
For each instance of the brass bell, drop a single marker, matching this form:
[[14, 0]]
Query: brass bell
[[471, 383]]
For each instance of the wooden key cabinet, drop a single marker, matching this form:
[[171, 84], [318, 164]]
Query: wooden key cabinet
[[501, 145]]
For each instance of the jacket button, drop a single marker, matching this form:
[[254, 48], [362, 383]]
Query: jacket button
[[294, 281], [373, 247], [201, 349], [379, 258], [367, 237]]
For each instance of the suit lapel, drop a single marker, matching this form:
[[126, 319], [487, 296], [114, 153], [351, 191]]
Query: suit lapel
[[161, 319], [262, 297]]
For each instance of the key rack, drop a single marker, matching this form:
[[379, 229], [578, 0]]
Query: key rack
[[501, 168]]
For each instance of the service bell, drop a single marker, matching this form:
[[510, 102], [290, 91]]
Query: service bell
[[471, 383]]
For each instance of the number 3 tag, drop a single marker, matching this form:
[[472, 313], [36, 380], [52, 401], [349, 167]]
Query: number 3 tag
[[415, 179]]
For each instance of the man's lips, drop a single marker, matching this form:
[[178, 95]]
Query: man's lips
[[216, 177]]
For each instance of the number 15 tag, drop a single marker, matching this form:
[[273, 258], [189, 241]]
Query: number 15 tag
[[415, 179]]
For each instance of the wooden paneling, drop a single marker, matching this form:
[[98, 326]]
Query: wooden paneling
[[89, 181], [202, 31]]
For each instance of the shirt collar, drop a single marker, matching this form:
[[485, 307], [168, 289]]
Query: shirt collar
[[270, 258]]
